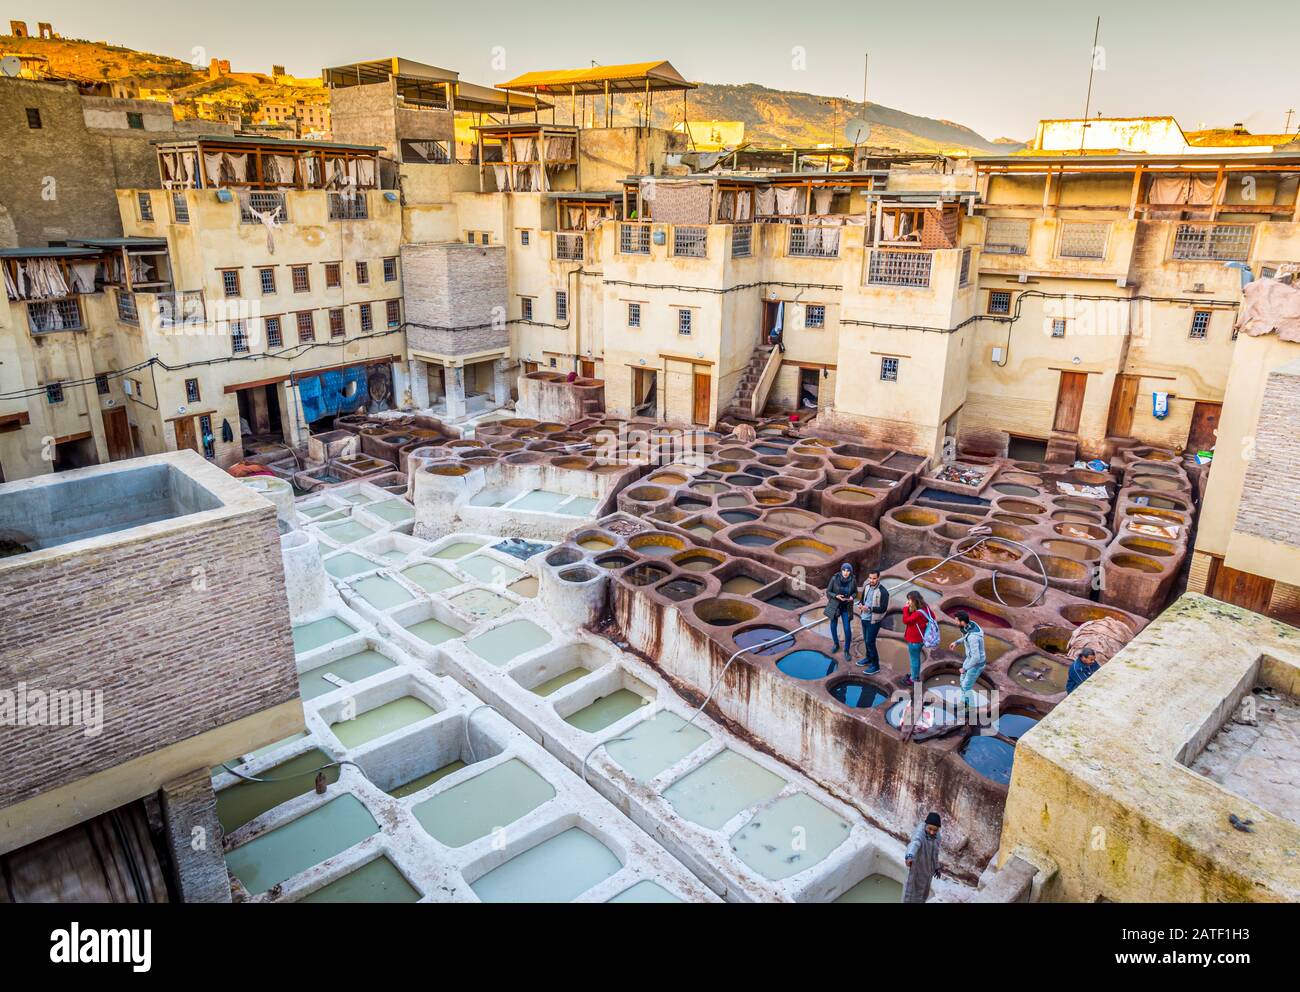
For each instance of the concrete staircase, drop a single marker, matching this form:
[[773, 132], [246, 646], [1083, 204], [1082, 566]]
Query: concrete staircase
[[1062, 448], [749, 381]]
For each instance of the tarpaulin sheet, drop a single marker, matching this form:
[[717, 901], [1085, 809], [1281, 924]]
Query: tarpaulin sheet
[[327, 394]]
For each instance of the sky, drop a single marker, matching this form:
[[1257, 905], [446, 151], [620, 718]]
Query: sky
[[997, 66]]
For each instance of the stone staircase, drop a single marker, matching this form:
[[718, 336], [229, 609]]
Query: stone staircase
[[1062, 448], [749, 382]]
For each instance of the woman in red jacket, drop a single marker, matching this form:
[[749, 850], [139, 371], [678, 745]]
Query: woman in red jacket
[[915, 616]]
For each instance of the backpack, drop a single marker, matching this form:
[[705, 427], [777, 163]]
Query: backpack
[[930, 637]]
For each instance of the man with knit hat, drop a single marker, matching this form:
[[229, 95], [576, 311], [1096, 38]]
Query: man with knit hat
[[922, 859]]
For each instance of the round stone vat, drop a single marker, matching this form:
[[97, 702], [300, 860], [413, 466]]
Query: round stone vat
[[1071, 549], [579, 573], [1084, 532], [1052, 640], [563, 556], [1014, 489], [667, 479], [751, 637], [1008, 531], [709, 488], [987, 615], [1066, 569], [837, 533], [914, 516], [1080, 613], [681, 588], [796, 519], [735, 454], [738, 516], [692, 503], [725, 612], [852, 495], [669, 515], [745, 481], [990, 552], [699, 560], [754, 537], [1074, 503], [656, 545], [805, 551], [861, 694], [1148, 546], [448, 470], [646, 574], [1136, 563], [1039, 674], [950, 573], [1015, 519], [1157, 482], [1021, 479], [595, 540], [1007, 590], [615, 560], [1077, 517], [724, 468], [807, 666], [1021, 506], [646, 494]]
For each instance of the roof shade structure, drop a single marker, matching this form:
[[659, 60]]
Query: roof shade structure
[[429, 86], [608, 81]]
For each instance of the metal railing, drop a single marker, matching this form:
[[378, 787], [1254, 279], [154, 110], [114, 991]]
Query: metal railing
[[55, 315], [349, 206], [742, 240], [570, 247], [1213, 242], [633, 238], [691, 242], [253, 202], [899, 268], [813, 242]]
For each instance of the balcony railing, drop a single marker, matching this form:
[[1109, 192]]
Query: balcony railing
[[899, 268], [814, 242], [570, 247], [55, 315], [691, 242], [634, 239], [1213, 242], [253, 202], [349, 206]]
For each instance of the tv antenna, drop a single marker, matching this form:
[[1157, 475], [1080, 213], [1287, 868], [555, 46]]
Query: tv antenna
[[1092, 68]]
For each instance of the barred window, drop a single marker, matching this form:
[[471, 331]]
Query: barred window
[[742, 240], [561, 306], [205, 435], [1200, 324], [274, 337], [306, 327], [634, 315], [634, 239], [230, 282], [333, 275], [569, 247], [814, 315], [191, 390], [394, 313], [180, 208], [1006, 236], [238, 338], [135, 121], [691, 242], [363, 273], [146, 205], [301, 279], [268, 281], [999, 301], [684, 322], [349, 206], [255, 204], [337, 327], [367, 318], [889, 369], [390, 270], [1212, 242], [101, 384], [526, 307], [33, 118], [54, 392], [54, 315], [900, 268], [963, 277], [126, 311], [1058, 328], [523, 237], [1083, 240]]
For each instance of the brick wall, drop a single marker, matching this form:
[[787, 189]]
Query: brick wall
[[455, 297], [1268, 493]]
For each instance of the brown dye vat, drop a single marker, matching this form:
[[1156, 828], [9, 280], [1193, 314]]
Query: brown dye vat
[[450, 470], [608, 469], [1052, 640], [698, 561], [805, 551], [1085, 477], [645, 574], [984, 614], [851, 494], [524, 458], [1021, 479], [997, 554], [709, 488], [1063, 568], [1081, 613], [841, 534], [647, 494], [735, 454], [1020, 506], [656, 545], [668, 515], [667, 479], [786, 484], [731, 500], [1074, 517], [1007, 531], [549, 427], [467, 443], [953, 531], [1157, 483], [507, 445], [725, 612], [1136, 563], [742, 585], [789, 518], [573, 463], [1072, 549], [595, 541], [614, 561], [580, 574], [1007, 591], [1085, 532], [517, 423], [1012, 489], [1014, 518], [950, 573], [680, 589], [1163, 514], [1071, 503], [691, 503], [914, 516], [1039, 674], [724, 468]]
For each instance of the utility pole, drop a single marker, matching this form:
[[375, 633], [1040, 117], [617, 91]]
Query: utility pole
[[1286, 128], [1092, 68]]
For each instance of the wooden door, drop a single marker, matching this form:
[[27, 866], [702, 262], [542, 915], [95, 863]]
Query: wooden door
[[1123, 402], [1069, 402], [117, 432], [186, 435], [1205, 426], [530, 368], [701, 406], [1250, 592], [588, 369]]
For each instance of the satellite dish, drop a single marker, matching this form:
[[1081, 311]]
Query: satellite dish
[[11, 65], [857, 130]]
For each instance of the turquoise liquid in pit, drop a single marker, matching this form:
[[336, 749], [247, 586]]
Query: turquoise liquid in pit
[[433, 631], [382, 592], [474, 808], [481, 604], [874, 888], [358, 499], [378, 881], [348, 563], [424, 781], [579, 506], [507, 642], [655, 744], [645, 891], [347, 531], [539, 501], [720, 788], [246, 801], [381, 720], [318, 633], [556, 870], [560, 681], [312, 512], [458, 550], [489, 570], [279, 854], [430, 578], [606, 710], [790, 836], [353, 668], [395, 511]]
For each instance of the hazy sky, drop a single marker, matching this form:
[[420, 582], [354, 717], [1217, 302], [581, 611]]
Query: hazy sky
[[996, 66]]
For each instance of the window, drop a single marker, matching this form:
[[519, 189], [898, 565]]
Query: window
[[146, 205], [230, 282], [814, 315], [337, 329], [394, 313], [267, 276], [684, 322], [54, 392], [238, 338], [889, 370], [569, 247], [900, 268], [469, 237], [54, 315], [257, 204], [1212, 242], [363, 273], [180, 208], [333, 275], [33, 118], [349, 206], [1058, 327], [306, 327], [390, 270], [1200, 324], [191, 390], [367, 318], [126, 311], [301, 280], [205, 435], [813, 242], [634, 239], [274, 336], [691, 242], [526, 307], [963, 276], [135, 121], [634, 315], [999, 301], [561, 306], [1006, 236], [1083, 240], [101, 385], [742, 240], [523, 238]]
